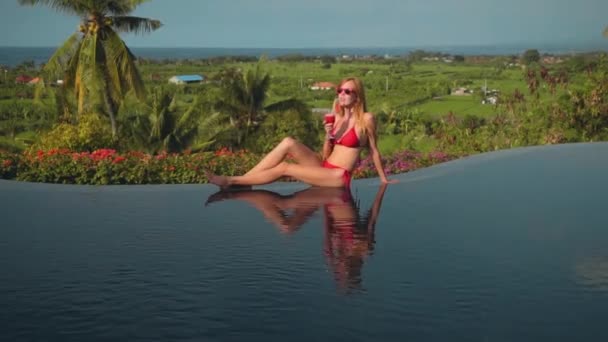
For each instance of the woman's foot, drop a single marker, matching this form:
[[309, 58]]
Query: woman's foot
[[227, 193], [220, 181], [218, 196]]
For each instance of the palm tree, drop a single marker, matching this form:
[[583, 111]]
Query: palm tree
[[243, 99], [170, 131], [95, 62], [164, 128]]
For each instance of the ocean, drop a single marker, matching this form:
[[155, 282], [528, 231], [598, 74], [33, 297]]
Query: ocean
[[11, 56]]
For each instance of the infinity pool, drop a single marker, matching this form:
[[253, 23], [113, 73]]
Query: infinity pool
[[504, 246]]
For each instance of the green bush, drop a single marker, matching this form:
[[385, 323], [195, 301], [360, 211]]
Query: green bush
[[90, 133], [279, 125]]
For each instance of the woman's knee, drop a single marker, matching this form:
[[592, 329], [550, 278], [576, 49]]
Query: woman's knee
[[289, 142], [283, 167]]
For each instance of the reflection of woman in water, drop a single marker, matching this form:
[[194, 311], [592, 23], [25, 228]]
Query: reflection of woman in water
[[349, 236]]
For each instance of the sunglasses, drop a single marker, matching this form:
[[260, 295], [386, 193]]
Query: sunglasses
[[345, 91]]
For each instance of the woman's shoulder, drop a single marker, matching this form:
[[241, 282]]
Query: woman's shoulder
[[368, 118]]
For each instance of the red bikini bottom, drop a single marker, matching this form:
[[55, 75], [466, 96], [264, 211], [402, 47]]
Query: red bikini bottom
[[346, 176]]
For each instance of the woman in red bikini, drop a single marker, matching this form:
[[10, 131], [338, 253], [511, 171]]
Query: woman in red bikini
[[354, 128]]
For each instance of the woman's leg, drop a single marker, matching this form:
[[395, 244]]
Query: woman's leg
[[275, 208], [313, 175], [300, 152]]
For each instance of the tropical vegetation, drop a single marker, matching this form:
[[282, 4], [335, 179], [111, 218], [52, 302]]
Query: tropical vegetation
[[115, 120]]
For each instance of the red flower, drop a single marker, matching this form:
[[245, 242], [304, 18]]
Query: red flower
[[223, 152], [7, 163], [118, 160], [103, 153], [77, 156]]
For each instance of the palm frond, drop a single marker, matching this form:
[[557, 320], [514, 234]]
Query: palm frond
[[229, 108], [116, 7], [185, 121], [257, 83], [209, 128], [112, 46], [235, 91], [135, 25], [57, 63], [80, 79], [87, 81], [119, 53], [69, 75], [97, 85], [113, 81], [161, 118], [135, 126], [606, 32]]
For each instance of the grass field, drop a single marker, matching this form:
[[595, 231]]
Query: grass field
[[462, 105]]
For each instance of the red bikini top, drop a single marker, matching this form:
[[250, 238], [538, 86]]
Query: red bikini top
[[349, 139]]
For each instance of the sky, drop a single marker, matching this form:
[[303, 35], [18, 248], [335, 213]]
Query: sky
[[332, 23]]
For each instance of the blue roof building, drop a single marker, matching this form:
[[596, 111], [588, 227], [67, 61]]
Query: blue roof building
[[183, 79]]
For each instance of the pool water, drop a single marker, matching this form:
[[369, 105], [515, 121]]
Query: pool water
[[503, 246]]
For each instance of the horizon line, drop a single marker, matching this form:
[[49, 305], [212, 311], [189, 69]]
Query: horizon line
[[531, 45]]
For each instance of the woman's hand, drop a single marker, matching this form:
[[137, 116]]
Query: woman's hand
[[389, 181], [328, 128]]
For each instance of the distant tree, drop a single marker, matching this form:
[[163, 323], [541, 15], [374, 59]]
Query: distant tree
[[576, 63], [327, 59], [458, 58], [27, 65], [399, 67], [95, 62], [417, 55], [530, 56]]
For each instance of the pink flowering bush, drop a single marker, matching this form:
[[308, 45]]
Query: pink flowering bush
[[400, 162], [107, 166]]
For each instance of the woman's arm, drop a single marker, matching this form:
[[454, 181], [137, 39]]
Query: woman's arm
[[372, 215], [328, 144], [373, 147]]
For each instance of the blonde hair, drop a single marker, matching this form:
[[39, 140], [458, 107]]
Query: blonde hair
[[360, 107]]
